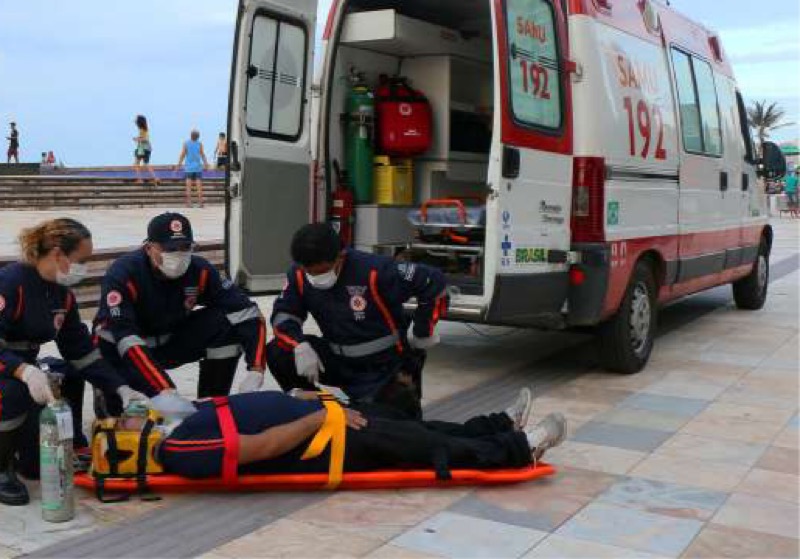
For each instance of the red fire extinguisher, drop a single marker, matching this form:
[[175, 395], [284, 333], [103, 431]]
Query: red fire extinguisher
[[342, 208]]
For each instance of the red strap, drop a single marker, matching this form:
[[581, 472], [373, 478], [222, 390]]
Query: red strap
[[227, 426], [203, 281]]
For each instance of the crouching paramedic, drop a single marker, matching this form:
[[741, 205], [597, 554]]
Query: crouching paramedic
[[357, 300], [148, 320], [36, 307], [272, 432]]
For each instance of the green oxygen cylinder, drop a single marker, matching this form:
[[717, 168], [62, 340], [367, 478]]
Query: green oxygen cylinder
[[359, 133], [55, 455]]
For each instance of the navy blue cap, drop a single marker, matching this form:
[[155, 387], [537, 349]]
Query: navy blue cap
[[171, 230]]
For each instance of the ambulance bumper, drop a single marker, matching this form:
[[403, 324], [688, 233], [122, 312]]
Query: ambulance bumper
[[585, 300]]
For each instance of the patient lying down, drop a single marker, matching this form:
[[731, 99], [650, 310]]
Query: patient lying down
[[275, 429]]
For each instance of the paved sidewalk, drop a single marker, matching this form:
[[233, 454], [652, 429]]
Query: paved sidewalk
[[695, 456]]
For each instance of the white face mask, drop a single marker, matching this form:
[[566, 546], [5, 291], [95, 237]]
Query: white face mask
[[174, 264], [323, 281], [75, 274]]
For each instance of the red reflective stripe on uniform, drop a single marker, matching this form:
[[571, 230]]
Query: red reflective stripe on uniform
[[132, 290], [134, 356], [298, 274], [387, 316], [206, 442], [20, 303], [260, 361], [156, 376], [291, 342], [227, 426], [171, 448], [435, 316], [201, 286]]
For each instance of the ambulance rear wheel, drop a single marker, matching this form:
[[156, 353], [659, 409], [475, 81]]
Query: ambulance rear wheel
[[750, 292], [626, 340]]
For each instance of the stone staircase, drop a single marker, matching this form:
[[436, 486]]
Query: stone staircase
[[40, 192], [88, 292]]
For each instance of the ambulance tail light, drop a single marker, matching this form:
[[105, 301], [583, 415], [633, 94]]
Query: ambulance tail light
[[588, 199]]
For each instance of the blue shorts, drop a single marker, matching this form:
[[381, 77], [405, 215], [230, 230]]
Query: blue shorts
[[194, 176]]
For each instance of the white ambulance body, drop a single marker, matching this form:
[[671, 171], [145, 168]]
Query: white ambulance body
[[617, 173]]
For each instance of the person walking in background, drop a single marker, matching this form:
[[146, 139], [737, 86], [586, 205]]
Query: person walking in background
[[221, 151], [195, 158], [790, 189], [13, 144], [143, 150]]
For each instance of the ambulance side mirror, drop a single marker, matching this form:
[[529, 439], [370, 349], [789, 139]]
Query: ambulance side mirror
[[772, 164]]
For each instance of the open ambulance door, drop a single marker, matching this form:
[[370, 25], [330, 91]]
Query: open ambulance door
[[268, 189], [533, 183]]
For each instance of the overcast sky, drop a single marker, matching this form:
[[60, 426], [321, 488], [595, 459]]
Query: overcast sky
[[74, 74]]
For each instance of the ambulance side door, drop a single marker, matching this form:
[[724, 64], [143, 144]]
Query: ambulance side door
[[268, 190]]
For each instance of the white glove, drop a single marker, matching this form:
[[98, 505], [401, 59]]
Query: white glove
[[307, 362], [424, 343], [38, 384], [172, 406], [251, 382], [128, 395]]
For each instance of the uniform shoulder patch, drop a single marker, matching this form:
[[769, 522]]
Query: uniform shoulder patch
[[407, 270], [114, 298]]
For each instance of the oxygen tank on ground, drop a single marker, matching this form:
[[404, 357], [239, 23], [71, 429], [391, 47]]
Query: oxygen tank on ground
[[359, 134], [56, 457]]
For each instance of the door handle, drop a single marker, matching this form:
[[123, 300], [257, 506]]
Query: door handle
[[234, 164], [723, 181], [745, 182], [510, 162]]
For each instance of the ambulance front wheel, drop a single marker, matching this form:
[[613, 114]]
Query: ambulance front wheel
[[750, 292], [626, 340]]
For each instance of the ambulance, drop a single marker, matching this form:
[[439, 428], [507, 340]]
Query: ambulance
[[589, 160]]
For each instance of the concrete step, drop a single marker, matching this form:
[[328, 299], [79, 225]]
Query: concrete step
[[87, 292]]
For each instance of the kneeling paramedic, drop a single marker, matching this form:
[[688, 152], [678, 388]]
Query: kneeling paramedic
[[148, 322], [37, 306], [272, 432], [357, 300]]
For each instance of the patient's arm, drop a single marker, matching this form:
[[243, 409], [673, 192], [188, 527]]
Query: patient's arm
[[275, 441]]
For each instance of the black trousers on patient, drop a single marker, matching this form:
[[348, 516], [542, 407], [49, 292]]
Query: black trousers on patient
[[195, 449]]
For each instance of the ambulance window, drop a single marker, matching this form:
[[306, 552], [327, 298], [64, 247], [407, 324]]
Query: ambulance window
[[533, 63], [709, 109], [744, 124], [274, 104], [689, 109]]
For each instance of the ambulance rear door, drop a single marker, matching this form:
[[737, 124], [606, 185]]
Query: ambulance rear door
[[532, 184], [268, 188]]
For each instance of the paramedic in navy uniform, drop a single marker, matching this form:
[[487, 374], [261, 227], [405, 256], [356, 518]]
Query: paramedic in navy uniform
[[357, 300], [36, 307], [148, 321]]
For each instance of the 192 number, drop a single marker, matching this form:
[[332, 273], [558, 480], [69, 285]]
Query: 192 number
[[535, 75], [646, 119]]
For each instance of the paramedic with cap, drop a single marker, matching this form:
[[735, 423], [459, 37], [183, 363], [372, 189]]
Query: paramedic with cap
[[148, 320], [357, 300], [37, 306], [273, 430]]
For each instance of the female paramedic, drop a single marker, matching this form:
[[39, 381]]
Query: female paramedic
[[274, 429], [36, 307]]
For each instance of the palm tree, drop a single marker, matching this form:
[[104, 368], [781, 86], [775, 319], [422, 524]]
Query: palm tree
[[765, 118]]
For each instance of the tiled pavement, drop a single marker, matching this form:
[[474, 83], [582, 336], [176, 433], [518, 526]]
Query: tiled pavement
[[696, 456]]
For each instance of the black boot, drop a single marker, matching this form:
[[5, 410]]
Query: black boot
[[216, 377], [12, 491]]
